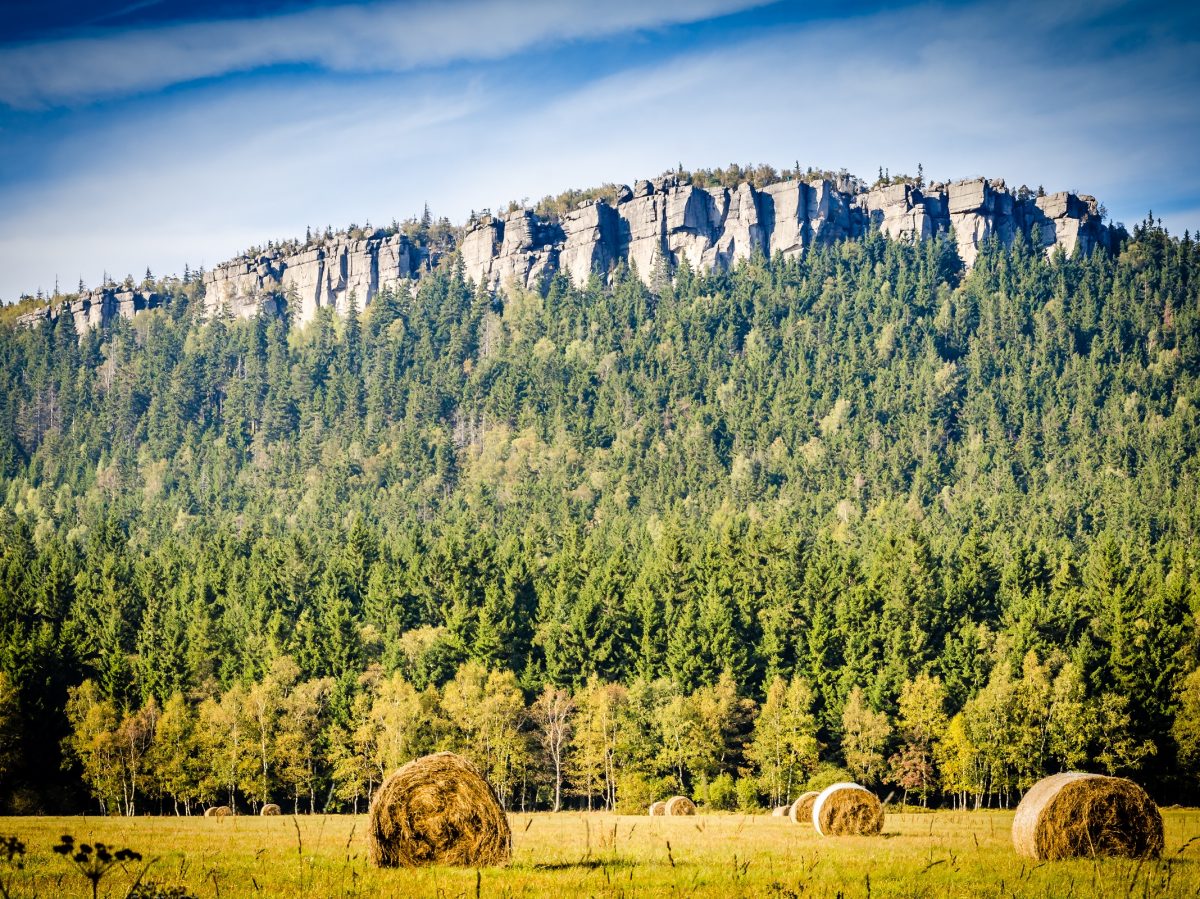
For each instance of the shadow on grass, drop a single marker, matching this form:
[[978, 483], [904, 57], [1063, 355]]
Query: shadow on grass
[[585, 864]]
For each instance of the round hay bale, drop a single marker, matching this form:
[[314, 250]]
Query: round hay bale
[[270, 809], [1073, 815], [679, 805], [847, 809], [801, 810], [438, 810], [658, 808], [780, 811], [218, 811]]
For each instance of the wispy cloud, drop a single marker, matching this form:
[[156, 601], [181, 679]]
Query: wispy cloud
[[1093, 99], [1097, 101], [378, 37]]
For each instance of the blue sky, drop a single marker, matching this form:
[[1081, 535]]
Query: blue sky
[[145, 133]]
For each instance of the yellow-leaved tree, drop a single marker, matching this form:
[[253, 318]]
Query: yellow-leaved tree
[[865, 733], [784, 742]]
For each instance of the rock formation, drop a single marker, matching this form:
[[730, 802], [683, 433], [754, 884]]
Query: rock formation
[[332, 273], [655, 226], [659, 225], [96, 307]]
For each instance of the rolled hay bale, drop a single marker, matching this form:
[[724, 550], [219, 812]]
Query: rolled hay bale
[[218, 811], [780, 811], [847, 809], [270, 809], [800, 811], [658, 808], [1074, 815], [679, 805], [438, 810]]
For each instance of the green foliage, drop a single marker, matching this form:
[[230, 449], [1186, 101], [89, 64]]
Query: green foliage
[[749, 797], [849, 470], [722, 793], [827, 775]]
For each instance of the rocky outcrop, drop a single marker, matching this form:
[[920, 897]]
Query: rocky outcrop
[[96, 308], [591, 236], [655, 227], [976, 210], [519, 248], [1071, 222], [334, 273]]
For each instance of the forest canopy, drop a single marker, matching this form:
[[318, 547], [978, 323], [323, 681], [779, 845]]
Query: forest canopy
[[859, 510]]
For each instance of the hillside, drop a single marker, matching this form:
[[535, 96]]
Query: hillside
[[859, 486]]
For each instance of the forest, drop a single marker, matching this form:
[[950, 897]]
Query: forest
[[860, 513]]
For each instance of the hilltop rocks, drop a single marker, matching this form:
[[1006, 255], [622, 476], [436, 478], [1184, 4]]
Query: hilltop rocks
[[740, 228], [329, 274], [519, 248], [591, 236], [1070, 222], [900, 211], [96, 308], [642, 228], [654, 227], [785, 207], [978, 209]]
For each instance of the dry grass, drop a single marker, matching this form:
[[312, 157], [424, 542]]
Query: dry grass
[[801, 810], [847, 809], [965, 854], [1078, 815], [438, 810]]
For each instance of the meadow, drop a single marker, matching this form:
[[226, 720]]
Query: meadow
[[581, 855]]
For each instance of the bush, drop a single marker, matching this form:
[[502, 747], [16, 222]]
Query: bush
[[721, 794], [749, 799], [635, 792], [827, 775]]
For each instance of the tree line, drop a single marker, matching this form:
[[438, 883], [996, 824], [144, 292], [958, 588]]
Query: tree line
[[601, 746]]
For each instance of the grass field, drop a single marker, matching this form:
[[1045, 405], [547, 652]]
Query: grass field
[[572, 856]]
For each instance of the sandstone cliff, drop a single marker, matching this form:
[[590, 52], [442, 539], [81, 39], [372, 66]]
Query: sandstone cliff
[[332, 273], [655, 226], [664, 222], [96, 307]]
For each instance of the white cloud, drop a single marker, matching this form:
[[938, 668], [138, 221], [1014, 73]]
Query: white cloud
[[378, 37], [965, 92]]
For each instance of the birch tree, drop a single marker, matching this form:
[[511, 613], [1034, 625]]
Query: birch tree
[[553, 712]]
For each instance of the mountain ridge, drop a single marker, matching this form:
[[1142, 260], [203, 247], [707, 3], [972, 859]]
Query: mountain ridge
[[659, 223]]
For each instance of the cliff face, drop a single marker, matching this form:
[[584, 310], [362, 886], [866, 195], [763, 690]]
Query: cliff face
[[329, 274], [655, 226], [96, 308], [662, 223]]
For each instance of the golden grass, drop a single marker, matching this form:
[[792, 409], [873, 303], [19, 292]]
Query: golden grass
[[938, 854]]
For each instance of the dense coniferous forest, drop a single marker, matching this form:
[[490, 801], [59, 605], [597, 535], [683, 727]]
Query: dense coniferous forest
[[727, 536]]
